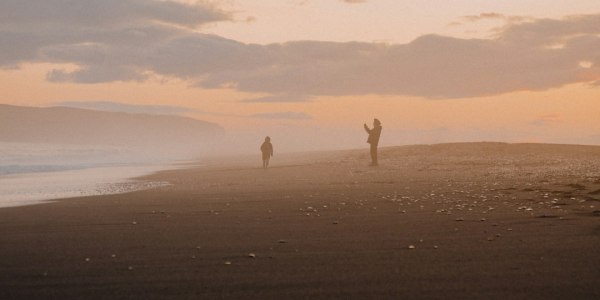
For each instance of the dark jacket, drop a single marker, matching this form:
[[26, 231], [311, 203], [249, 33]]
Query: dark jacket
[[267, 149], [373, 135]]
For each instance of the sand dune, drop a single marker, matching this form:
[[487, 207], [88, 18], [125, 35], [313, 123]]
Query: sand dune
[[456, 221]]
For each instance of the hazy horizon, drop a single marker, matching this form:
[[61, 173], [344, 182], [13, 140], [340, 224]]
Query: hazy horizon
[[310, 73]]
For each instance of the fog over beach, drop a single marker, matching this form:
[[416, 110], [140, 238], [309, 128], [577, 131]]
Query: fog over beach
[[51, 153], [474, 220]]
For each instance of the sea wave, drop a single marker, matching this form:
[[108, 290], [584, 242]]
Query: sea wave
[[31, 173]]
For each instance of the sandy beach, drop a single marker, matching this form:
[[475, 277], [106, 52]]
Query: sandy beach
[[448, 221]]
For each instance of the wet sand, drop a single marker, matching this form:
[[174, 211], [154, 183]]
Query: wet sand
[[454, 221]]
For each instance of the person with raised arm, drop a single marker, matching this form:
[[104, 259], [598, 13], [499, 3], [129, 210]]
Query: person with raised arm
[[373, 139]]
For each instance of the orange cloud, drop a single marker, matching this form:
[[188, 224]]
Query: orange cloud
[[158, 39]]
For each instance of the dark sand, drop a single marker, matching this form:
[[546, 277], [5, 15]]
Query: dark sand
[[485, 221]]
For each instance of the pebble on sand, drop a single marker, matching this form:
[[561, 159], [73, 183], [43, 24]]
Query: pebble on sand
[[251, 255], [411, 247]]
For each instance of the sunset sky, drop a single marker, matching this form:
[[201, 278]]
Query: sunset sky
[[309, 73]]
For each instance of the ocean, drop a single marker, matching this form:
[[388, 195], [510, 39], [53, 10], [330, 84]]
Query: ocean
[[34, 173]]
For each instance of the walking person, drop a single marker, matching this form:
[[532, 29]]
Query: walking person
[[267, 151], [373, 139]]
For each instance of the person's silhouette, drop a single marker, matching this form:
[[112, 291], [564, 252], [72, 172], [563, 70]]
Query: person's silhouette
[[267, 151], [373, 139]]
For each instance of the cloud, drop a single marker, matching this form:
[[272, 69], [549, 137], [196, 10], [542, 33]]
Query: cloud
[[129, 40], [59, 30], [345, 1], [289, 115], [489, 16], [547, 120], [105, 13], [128, 108], [493, 16], [279, 98], [483, 16]]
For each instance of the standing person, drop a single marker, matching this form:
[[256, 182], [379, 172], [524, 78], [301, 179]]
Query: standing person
[[267, 151], [374, 139]]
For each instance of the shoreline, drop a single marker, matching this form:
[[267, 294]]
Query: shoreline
[[22, 189]]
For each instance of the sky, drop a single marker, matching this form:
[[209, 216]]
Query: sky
[[309, 73]]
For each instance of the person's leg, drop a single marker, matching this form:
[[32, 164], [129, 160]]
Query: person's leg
[[373, 155]]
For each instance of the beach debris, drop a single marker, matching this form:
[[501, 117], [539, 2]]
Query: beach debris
[[251, 255], [547, 216], [411, 247], [282, 241], [483, 219], [227, 263]]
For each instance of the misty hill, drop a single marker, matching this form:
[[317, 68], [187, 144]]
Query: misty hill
[[62, 125]]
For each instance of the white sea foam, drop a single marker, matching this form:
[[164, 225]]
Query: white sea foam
[[33, 173], [33, 188]]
